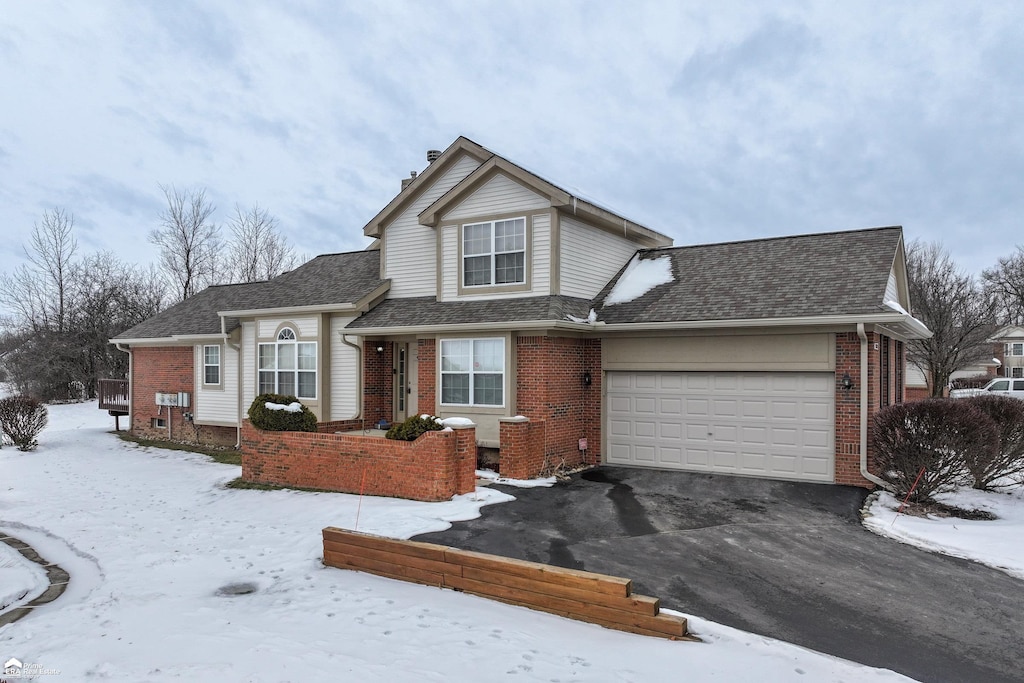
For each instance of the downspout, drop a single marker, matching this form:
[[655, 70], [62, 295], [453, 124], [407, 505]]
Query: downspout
[[359, 376], [864, 411], [238, 391]]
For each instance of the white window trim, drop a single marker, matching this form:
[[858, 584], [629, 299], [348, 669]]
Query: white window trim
[[443, 372], [285, 337], [1017, 372], [1011, 349], [217, 365], [493, 253]]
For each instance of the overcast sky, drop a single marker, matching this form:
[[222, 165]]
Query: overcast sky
[[708, 121]]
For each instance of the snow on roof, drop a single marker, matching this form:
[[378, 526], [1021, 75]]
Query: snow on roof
[[896, 307], [640, 277]]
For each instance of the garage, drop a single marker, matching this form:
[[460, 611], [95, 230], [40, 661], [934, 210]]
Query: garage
[[766, 424]]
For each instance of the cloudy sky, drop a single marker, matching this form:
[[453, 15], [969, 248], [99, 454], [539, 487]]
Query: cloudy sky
[[706, 121]]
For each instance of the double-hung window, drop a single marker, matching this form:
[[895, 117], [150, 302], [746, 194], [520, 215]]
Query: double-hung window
[[288, 366], [1015, 349], [494, 253], [473, 372], [211, 364]]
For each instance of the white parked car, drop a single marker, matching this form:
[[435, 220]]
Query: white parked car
[[1000, 385]]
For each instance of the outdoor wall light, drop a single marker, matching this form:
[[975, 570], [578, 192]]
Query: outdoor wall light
[[380, 349], [586, 379], [846, 382]]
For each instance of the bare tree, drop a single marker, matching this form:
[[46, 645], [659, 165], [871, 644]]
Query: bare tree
[[189, 241], [39, 293], [954, 307], [1005, 283], [257, 251], [65, 309]]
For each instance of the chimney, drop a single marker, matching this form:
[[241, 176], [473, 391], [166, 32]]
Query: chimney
[[406, 181], [432, 155]]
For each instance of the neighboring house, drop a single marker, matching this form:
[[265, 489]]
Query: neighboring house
[[491, 293], [1008, 349], [918, 387]]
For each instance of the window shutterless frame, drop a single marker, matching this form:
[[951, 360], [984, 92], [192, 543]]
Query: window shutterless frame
[[211, 364], [287, 366], [494, 253], [473, 372]]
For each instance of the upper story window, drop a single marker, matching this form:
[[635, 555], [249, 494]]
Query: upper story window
[[1015, 349], [494, 253], [288, 366], [473, 372], [211, 364]]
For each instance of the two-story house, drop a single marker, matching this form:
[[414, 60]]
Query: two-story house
[[490, 293]]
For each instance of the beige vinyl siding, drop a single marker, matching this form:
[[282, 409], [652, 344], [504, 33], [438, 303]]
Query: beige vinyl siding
[[501, 195], [410, 249], [305, 327], [539, 267], [589, 258], [249, 353], [774, 352], [217, 404], [344, 377], [891, 290]]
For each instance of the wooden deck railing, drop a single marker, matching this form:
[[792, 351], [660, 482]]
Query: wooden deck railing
[[113, 395]]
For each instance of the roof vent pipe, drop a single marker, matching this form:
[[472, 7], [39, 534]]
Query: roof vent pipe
[[432, 155]]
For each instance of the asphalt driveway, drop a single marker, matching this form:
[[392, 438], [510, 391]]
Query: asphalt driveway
[[782, 559]]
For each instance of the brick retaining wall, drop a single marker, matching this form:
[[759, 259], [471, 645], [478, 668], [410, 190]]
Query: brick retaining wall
[[435, 467]]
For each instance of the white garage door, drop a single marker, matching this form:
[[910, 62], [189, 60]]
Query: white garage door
[[767, 424]]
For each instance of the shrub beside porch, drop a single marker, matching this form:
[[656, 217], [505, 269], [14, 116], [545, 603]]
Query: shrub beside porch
[[437, 466]]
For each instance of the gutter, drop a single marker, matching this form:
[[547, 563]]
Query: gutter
[[864, 411], [913, 326]]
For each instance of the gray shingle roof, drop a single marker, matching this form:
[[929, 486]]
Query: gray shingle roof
[[328, 279], [427, 310], [842, 273]]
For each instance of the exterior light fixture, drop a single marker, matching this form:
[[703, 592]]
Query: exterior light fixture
[[846, 382], [586, 379]]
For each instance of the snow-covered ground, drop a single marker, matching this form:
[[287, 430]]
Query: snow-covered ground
[[157, 549], [998, 543]]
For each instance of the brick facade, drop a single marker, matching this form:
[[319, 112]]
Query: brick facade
[[550, 390], [426, 375], [169, 369], [522, 448], [877, 383], [435, 467]]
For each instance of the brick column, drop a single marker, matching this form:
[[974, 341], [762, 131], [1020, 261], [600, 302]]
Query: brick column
[[465, 459], [378, 381], [426, 376]]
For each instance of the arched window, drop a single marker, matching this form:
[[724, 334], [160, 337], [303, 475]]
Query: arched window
[[288, 366]]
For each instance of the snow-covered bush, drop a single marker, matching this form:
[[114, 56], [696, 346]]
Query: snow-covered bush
[[936, 436], [277, 413], [22, 418], [987, 467], [414, 427]]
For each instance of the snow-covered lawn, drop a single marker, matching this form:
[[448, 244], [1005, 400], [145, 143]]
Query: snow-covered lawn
[[998, 543], [151, 537]]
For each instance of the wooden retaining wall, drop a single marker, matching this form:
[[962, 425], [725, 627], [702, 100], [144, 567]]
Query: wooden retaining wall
[[585, 596]]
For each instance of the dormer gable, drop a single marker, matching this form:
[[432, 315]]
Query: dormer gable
[[557, 198]]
